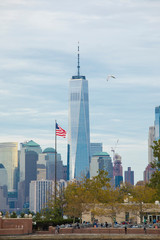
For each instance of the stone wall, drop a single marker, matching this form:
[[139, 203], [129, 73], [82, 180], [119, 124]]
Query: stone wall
[[14, 226], [103, 231]]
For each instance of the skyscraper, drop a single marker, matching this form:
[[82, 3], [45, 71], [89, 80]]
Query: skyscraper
[[151, 138], [25, 147], [28, 169], [95, 148], [129, 176], [117, 170], [147, 174], [9, 158], [3, 188], [101, 161], [50, 164], [157, 123], [31, 159], [79, 132], [40, 192]]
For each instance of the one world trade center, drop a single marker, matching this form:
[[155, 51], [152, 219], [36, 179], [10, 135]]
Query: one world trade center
[[78, 132]]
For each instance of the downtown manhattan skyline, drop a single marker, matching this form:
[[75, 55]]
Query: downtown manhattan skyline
[[38, 44]]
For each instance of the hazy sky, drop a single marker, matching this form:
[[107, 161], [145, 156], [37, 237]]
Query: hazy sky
[[38, 56]]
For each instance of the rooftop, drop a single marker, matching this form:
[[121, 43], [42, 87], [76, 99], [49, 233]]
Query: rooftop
[[101, 154], [31, 144], [78, 77], [1, 165], [49, 150]]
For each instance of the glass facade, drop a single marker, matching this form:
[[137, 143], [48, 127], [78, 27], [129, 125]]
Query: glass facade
[[79, 132], [101, 161], [157, 123], [9, 159], [25, 147], [95, 148]]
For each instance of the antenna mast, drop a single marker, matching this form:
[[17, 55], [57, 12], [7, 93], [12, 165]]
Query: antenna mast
[[78, 67]]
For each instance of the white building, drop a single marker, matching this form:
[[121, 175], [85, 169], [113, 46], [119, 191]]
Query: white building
[[151, 138], [40, 192]]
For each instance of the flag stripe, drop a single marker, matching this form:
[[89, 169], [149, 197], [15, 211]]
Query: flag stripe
[[60, 131]]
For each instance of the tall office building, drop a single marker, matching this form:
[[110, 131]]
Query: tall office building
[[147, 174], [79, 132], [28, 170], [25, 147], [95, 148], [31, 159], [9, 159], [157, 123], [50, 164], [129, 176], [101, 161], [40, 192], [151, 138], [117, 170], [3, 189]]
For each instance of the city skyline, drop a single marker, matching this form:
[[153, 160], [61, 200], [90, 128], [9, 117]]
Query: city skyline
[[38, 44]]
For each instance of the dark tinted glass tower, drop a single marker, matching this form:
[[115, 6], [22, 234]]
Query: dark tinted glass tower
[[129, 176], [31, 159], [157, 123]]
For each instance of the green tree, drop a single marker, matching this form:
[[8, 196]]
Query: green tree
[[143, 198], [155, 178], [13, 215], [84, 195], [54, 207], [37, 217], [7, 215], [111, 204], [22, 214]]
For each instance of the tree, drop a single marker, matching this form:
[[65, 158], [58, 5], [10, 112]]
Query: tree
[[7, 215], [54, 207], [155, 178], [13, 215], [74, 199], [143, 198], [22, 214], [111, 204], [83, 195]]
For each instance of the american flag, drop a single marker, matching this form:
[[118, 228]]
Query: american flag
[[60, 131]]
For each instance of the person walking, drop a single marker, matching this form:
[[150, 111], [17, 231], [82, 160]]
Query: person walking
[[125, 229]]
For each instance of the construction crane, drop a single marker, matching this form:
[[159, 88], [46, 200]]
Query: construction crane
[[114, 149]]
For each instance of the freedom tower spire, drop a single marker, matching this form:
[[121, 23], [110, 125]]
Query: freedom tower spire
[[78, 131], [78, 66]]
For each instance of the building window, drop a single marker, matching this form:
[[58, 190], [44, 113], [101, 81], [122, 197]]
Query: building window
[[127, 216]]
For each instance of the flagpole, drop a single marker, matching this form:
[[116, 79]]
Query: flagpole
[[55, 169]]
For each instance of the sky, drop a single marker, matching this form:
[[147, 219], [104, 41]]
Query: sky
[[38, 56]]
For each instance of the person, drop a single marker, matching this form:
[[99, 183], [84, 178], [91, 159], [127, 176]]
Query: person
[[78, 225], [57, 229], [145, 229], [125, 229], [106, 224]]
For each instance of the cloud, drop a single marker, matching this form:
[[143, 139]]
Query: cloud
[[38, 44]]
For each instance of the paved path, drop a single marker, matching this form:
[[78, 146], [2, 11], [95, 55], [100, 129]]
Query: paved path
[[83, 237]]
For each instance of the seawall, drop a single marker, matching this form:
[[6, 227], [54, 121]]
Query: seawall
[[83, 237]]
